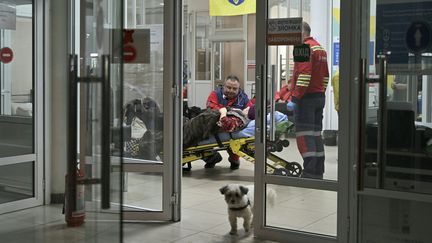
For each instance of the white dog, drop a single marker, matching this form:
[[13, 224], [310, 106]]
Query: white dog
[[240, 200]]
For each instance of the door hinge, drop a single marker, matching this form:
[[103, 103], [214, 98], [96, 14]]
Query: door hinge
[[43, 184], [175, 199]]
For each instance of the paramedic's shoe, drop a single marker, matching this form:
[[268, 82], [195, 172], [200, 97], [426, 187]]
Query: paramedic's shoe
[[235, 164], [212, 160]]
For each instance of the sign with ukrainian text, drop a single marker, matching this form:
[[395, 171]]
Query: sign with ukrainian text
[[286, 31]]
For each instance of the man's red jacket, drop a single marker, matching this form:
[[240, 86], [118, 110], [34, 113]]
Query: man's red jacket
[[312, 76]]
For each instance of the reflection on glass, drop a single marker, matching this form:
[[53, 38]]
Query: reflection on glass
[[142, 191], [203, 47], [16, 84], [143, 91], [403, 160], [390, 220], [229, 22], [397, 155], [16, 182], [302, 209]]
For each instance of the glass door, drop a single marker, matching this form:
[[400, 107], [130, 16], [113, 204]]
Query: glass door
[[394, 192], [21, 106], [94, 176], [293, 163], [152, 115]]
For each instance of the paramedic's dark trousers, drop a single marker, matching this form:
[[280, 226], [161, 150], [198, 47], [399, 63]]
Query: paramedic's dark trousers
[[308, 117]]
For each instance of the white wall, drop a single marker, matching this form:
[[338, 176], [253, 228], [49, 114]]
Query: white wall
[[194, 5], [21, 44]]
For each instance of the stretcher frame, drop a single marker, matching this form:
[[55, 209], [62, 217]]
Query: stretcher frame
[[245, 148]]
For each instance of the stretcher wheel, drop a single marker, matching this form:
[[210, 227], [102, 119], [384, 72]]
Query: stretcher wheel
[[294, 168], [281, 171], [279, 147], [285, 143]]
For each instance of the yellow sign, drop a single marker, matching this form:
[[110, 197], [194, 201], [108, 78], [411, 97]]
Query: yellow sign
[[232, 7]]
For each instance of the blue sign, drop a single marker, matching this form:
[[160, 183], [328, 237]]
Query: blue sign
[[371, 53], [336, 53], [418, 36], [236, 2], [402, 28]]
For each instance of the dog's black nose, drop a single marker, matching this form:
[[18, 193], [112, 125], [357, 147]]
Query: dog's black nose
[[232, 201]]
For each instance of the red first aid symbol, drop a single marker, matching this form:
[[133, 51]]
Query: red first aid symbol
[[6, 55], [129, 53]]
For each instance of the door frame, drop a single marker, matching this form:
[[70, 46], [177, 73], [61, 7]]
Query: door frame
[[261, 179], [40, 156], [349, 70], [172, 130]]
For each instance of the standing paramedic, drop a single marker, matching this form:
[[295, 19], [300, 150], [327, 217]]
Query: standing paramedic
[[230, 95], [307, 103]]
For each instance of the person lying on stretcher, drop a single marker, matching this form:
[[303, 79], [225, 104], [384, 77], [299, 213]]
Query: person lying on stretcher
[[212, 122], [215, 126], [146, 119]]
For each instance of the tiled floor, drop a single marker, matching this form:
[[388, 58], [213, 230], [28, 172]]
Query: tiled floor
[[204, 214]]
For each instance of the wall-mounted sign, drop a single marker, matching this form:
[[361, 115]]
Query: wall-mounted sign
[[286, 31], [418, 36], [403, 28], [7, 16], [136, 45], [6, 55], [336, 53], [301, 53]]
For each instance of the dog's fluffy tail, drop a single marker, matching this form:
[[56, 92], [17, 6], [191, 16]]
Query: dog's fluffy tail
[[271, 196]]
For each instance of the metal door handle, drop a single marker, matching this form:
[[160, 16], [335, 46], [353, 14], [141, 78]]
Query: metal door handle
[[106, 131], [72, 134], [272, 95], [260, 127], [361, 122], [382, 119]]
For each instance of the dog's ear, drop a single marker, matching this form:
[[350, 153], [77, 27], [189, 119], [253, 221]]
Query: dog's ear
[[244, 190], [223, 189]]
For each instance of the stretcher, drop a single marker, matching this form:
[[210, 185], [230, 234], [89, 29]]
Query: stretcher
[[245, 148], [240, 143]]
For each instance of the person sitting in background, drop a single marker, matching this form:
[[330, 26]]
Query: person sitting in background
[[228, 96]]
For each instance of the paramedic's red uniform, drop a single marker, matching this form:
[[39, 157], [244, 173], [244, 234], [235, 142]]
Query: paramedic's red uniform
[[309, 84], [217, 100], [284, 93]]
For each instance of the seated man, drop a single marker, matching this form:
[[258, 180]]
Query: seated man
[[228, 96]]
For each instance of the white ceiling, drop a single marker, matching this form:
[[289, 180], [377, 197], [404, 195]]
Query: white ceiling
[[17, 2]]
